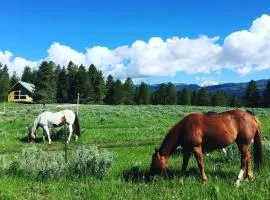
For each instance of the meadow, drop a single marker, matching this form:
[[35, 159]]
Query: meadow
[[130, 134]]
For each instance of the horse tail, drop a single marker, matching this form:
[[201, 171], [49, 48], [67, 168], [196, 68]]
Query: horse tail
[[77, 126], [258, 148]]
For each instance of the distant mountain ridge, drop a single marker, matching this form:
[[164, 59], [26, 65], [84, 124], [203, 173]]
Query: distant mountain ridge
[[233, 89]]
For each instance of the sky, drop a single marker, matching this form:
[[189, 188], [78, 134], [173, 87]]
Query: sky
[[202, 42]]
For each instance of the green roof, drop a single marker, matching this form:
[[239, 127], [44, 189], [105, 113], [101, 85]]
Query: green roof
[[29, 86]]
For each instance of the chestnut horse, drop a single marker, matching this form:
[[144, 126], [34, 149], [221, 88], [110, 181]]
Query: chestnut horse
[[198, 131]]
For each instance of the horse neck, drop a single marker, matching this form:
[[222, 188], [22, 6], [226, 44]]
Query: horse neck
[[171, 141], [35, 124]]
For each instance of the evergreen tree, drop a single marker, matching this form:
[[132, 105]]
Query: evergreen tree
[[162, 94], [194, 98], [252, 96], [154, 98], [220, 98], [72, 70], [82, 85], [99, 88], [128, 88], [204, 98], [4, 82], [93, 76], [143, 94], [62, 86], [266, 95], [45, 90], [13, 79], [29, 75], [171, 97], [235, 102], [184, 97], [109, 90], [118, 97]]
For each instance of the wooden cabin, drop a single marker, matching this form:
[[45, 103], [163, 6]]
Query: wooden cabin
[[21, 92]]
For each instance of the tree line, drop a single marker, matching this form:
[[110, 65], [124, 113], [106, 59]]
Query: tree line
[[54, 83]]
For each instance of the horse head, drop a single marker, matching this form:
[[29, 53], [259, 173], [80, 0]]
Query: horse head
[[159, 163], [31, 135]]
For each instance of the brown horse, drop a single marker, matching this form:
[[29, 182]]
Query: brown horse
[[198, 131]]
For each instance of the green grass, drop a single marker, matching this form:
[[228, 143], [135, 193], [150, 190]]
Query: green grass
[[130, 133]]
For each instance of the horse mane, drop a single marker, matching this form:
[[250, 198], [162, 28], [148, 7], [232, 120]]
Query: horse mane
[[250, 112], [169, 143], [210, 113]]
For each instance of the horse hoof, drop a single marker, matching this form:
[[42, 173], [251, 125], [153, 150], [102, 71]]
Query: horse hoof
[[237, 184]]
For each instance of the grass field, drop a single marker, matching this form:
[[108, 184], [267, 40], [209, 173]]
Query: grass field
[[130, 133]]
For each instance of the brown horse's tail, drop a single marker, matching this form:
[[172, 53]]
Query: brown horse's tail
[[258, 149], [77, 126]]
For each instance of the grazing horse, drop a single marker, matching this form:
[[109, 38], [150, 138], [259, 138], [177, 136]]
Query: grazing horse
[[198, 131], [46, 119]]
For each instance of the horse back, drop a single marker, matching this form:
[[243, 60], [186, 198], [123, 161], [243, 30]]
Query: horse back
[[220, 129]]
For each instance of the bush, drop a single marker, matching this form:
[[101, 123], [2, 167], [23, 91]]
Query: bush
[[43, 164], [91, 161]]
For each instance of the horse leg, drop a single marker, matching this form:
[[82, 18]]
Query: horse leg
[[186, 156], [248, 166], [48, 133], [44, 135], [199, 157], [243, 148], [70, 132]]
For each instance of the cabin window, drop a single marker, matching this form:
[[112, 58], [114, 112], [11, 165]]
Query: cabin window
[[19, 95]]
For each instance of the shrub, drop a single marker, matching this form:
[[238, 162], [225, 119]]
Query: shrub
[[91, 161], [43, 164]]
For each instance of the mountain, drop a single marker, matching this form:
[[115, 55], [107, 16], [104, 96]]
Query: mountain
[[236, 89], [233, 89]]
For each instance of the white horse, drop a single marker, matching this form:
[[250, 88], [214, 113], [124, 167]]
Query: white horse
[[46, 119]]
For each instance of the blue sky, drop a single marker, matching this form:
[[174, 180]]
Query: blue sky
[[31, 30]]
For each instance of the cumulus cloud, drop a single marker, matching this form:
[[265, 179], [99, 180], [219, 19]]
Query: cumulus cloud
[[16, 64], [243, 51], [248, 50]]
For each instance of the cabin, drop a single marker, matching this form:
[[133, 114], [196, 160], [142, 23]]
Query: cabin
[[21, 92]]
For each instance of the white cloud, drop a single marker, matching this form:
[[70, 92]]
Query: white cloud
[[247, 50], [208, 83], [16, 64], [242, 51]]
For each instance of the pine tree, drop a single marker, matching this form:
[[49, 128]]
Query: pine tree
[[93, 76], [143, 94], [82, 85], [4, 82], [13, 79], [235, 102], [220, 98], [171, 97], [99, 88], [72, 70], [118, 97], [266, 95], [62, 86], [45, 90], [194, 98], [109, 91], [184, 97], [129, 91], [29, 75], [252, 96], [162, 94], [204, 98]]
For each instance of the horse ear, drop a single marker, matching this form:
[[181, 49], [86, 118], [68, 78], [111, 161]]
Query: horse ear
[[156, 150]]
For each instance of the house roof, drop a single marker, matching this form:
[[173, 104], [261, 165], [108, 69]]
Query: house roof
[[29, 86]]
